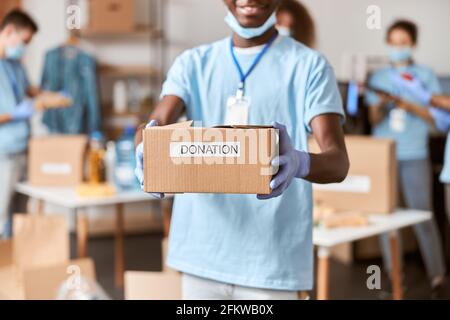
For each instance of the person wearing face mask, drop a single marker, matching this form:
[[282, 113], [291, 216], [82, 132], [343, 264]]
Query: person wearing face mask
[[16, 107], [407, 120], [440, 112], [294, 20], [235, 246]]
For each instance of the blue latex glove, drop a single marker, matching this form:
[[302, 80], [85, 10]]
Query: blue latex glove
[[23, 111], [441, 119], [413, 87], [139, 171], [292, 164]]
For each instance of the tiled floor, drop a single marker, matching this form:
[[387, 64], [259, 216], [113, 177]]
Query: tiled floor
[[143, 252]]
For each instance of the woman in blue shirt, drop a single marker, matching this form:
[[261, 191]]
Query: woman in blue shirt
[[231, 246], [407, 121]]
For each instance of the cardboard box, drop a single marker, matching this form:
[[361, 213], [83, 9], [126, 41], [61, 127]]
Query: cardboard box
[[112, 16], [44, 283], [35, 263], [230, 159], [57, 161], [141, 285], [39, 241], [371, 184], [40, 283]]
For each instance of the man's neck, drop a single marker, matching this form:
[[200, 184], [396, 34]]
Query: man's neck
[[240, 42]]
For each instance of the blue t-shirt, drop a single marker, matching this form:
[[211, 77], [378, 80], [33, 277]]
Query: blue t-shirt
[[412, 140], [239, 239], [13, 135]]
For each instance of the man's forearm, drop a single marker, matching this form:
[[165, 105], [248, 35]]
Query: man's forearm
[[442, 102], [418, 111], [5, 118], [331, 164], [328, 167], [168, 110]]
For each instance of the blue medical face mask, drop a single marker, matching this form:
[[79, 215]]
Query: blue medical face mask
[[397, 55], [15, 52], [249, 33]]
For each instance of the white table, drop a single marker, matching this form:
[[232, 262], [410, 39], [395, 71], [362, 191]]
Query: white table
[[68, 198], [325, 239]]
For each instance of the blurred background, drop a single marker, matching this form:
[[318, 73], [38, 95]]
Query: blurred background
[[134, 43]]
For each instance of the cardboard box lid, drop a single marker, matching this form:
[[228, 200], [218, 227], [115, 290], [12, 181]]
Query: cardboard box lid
[[141, 285], [44, 283]]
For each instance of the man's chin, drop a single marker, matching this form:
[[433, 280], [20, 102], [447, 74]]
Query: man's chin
[[251, 21]]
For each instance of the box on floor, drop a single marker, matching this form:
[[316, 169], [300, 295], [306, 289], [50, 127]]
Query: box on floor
[[142, 285], [179, 158], [165, 285], [36, 262]]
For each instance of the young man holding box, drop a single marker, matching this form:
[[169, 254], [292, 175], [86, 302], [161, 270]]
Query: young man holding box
[[232, 246]]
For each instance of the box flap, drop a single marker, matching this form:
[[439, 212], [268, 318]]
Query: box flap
[[179, 125]]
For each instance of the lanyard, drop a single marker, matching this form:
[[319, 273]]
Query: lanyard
[[13, 79], [243, 77]]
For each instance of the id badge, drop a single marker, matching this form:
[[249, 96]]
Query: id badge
[[397, 120], [237, 110]]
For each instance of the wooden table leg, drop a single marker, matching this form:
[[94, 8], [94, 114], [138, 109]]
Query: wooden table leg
[[396, 277], [119, 248], [82, 234], [323, 273], [166, 208]]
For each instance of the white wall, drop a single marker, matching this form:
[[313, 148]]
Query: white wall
[[341, 26]]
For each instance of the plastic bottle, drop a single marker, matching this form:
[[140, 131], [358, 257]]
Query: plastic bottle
[[125, 161], [96, 164], [110, 162]]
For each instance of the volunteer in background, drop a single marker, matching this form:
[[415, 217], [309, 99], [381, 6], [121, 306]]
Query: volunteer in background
[[293, 19], [440, 111], [231, 246], [410, 131], [16, 31]]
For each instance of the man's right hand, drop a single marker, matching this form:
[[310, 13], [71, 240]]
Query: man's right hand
[[139, 171], [23, 111]]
